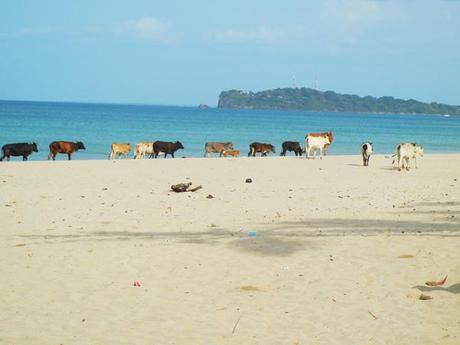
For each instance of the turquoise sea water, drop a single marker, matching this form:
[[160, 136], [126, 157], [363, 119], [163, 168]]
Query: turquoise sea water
[[98, 125]]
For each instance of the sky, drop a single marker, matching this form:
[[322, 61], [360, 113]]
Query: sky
[[187, 52]]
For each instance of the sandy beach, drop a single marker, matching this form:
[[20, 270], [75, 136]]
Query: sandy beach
[[311, 252]]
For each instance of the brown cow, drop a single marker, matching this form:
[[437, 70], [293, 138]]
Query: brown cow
[[119, 150], [233, 153], [262, 148], [322, 134], [67, 147], [216, 147]]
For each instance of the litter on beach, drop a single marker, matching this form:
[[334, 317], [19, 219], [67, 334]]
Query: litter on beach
[[436, 283]]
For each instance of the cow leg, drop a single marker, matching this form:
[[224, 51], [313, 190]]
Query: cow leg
[[172, 155], [24, 158], [400, 163], [69, 155]]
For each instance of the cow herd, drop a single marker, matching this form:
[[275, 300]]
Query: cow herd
[[314, 142]]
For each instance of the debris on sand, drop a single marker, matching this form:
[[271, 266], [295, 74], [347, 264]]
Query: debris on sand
[[436, 283], [405, 256], [210, 196], [425, 297], [249, 288], [249, 180], [184, 187]]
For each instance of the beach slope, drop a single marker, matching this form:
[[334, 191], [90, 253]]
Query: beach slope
[[311, 252]]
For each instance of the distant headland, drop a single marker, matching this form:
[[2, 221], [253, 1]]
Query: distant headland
[[315, 100]]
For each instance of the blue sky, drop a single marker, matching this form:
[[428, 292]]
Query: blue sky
[[186, 52]]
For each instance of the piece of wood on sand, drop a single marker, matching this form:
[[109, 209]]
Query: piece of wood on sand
[[184, 187]]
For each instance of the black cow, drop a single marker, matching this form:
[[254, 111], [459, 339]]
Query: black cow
[[291, 146], [166, 147], [18, 149]]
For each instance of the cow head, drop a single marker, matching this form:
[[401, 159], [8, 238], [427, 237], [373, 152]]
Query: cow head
[[179, 145], [34, 147], [272, 148], [418, 150], [80, 145], [329, 135], [228, 146]]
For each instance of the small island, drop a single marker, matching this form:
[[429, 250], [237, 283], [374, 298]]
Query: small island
[[314, 100]]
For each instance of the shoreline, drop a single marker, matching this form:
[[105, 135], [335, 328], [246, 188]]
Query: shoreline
[[62, 158]]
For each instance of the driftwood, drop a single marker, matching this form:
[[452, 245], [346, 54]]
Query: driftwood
[[436, 283], [184, 187]]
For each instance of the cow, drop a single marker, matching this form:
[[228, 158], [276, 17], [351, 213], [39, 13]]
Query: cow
[[119, 150], [18, 149], [291, 146], [233, 153], [141, 149], [322, 134], [216, 147], [67, 147], [167, 147], [315, 142], [366, 152], [260, 147], [406, 151]]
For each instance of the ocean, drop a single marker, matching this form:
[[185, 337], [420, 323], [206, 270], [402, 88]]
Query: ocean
[[98, 125]]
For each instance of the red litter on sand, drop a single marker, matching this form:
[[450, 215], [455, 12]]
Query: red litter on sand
[[137, 283]]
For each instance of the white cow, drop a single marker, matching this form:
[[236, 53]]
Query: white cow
[[315, 143], [141, 149], [406, 151], [366, 152]]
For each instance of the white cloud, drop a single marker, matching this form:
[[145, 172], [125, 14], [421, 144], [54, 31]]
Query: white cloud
[[148, 28], [333, 25], [262, 34]]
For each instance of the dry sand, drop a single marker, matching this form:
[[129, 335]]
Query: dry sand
[[311, 252]]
